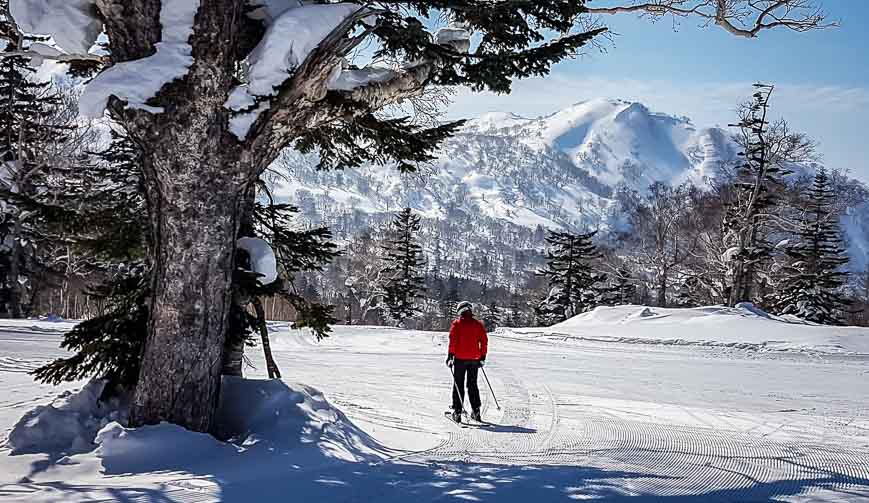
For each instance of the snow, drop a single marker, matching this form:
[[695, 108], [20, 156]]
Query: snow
[[239, 99], [68, 424], [579, 419], [71, 23], [42, 52], [240, 123], [268, 11], [288, 42], [458, 38], [744, 326], [262, 258], [292, 34], [350, 79], [139, 80]]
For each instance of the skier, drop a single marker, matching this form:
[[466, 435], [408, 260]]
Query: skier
[[467, 353]]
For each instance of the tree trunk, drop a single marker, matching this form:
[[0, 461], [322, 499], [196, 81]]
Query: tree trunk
[[271, 366], [15, 257], [662, 290], [195, 174], [233, 359], [194, 205]]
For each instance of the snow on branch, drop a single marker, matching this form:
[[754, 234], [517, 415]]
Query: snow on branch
[[287, 43], [268, 11], [353, 78], [137, 81], [72, 24], [743, 18], [262, 259]]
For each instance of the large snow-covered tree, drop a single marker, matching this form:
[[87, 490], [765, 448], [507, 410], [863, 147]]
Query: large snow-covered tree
[[212, 90]]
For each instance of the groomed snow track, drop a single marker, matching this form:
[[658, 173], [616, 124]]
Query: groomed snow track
[[663, 460], [588, 420]]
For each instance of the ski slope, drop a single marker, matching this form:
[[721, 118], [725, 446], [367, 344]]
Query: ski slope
[[580, 419]]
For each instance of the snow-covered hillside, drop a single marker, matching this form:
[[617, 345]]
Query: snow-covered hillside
[[576, 419], [503, 178], [555, 171]]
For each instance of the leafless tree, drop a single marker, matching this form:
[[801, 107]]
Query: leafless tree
[[743, 18], [664, 234]]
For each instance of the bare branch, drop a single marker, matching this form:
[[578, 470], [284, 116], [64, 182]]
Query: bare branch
[[743, 18]]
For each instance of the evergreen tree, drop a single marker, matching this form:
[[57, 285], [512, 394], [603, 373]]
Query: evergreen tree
[[813, 279], [516, 316], [492, 317], [450, 301], [574, 287], [405, 282], [28, 111], [623, 288]]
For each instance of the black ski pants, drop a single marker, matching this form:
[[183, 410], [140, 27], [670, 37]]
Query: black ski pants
[[465, 369]]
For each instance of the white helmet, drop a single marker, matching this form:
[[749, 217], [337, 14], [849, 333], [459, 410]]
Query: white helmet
[[464, 306]]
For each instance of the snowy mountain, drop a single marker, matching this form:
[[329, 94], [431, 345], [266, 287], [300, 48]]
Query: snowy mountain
[[556, 171], [497, 184]]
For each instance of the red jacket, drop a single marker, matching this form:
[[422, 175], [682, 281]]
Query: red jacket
[[468, 339]]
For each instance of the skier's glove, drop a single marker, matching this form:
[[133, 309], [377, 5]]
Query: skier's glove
[[482, 362], [450, 359]]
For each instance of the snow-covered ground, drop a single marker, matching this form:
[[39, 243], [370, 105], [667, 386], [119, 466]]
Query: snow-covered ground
[[603, 407], [743, 327]]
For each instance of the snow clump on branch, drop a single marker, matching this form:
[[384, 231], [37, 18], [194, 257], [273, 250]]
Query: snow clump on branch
[[139, 80]]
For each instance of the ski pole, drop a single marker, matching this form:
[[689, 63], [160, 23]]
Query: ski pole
[[456, 386], [490, 388]]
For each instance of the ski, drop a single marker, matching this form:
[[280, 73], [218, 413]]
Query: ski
[[466, 422], [448, 415]]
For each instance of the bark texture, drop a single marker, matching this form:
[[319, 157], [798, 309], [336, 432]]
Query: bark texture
[[196, 173]]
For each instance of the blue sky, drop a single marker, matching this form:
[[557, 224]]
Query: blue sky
[[822, 78]]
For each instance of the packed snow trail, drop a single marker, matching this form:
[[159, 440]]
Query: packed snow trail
[[586, 420]]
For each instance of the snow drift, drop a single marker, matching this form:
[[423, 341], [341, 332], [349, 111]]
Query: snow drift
[[69, 424], [257, 417], [743, 327]]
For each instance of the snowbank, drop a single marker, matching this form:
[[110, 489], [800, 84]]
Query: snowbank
[[269, 415], [744, 327], [69, 424], [350, 79], [257, 417]]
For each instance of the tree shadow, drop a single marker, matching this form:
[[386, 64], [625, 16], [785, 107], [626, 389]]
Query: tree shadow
[[288, 460], [504, 428], [282, 479]]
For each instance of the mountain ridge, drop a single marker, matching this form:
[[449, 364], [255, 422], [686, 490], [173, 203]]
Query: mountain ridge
[[505, 178]]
